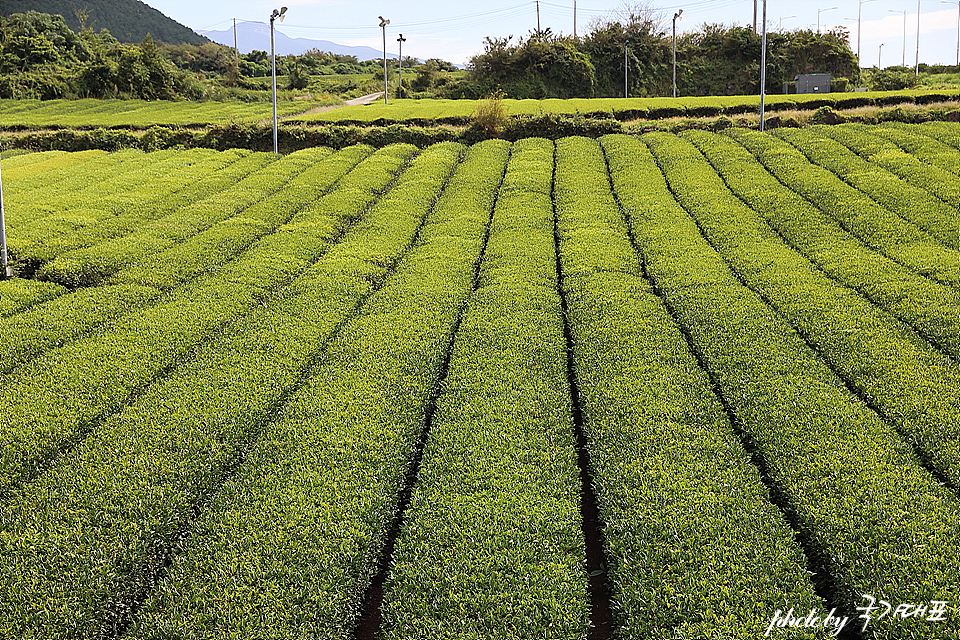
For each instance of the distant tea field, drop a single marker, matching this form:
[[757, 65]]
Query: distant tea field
[[699, 385]]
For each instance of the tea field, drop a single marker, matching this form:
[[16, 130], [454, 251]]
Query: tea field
[[696, 385]]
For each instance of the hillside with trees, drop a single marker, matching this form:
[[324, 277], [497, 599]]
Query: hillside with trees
[[129, 21], [42, 58]]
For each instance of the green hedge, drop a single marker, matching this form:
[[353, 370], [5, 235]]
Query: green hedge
[[114, 205], [877, 227], [224, 194], [927, 306], [491, 545], [859, 497], [18, 294], [327, 467], [58, 397], [908, 155], [906, 380], [671, 476], [908, 201]]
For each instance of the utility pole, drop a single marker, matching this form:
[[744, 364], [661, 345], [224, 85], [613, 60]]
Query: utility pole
[[236, 49], [754, 17], [538, 15], [401, 40], [574, 19], [273, 70]]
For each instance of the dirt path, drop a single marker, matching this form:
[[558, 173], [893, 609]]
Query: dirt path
[[367, 99]]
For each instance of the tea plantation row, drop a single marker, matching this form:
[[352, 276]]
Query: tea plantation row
[[375, 393]]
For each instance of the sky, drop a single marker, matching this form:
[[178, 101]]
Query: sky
[[455, 30]]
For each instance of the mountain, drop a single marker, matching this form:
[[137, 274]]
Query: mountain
[[126, 20], [256, 35]]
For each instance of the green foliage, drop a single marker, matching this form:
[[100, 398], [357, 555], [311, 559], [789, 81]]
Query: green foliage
[[541, 66], [490, 115], [745, 302], [891, 79], [41, 58], [500, 461], [659, 438], [215, 433]]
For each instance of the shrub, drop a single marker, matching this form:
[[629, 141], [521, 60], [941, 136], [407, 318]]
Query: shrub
[[491, 115]]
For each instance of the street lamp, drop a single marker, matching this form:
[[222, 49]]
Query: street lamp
[[819, 11], [763, 67], [880, 56], [401, 40], [784, 18], [383, 26], [958, 27], [904, 12], [860, 13], [676, 17], [273, 67]]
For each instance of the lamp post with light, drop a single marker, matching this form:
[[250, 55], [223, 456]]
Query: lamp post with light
[[383, 26], [626, 68], [273, 68]]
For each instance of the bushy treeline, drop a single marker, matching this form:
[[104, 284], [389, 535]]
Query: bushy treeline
[[714, 60], [128, 20], [42, 58]]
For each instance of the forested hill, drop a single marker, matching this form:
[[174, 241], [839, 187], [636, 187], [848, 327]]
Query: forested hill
[[126, 20]]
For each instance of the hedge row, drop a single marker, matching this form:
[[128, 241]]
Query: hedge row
[[22, 114], [60, 396], [458, 112], [74, 315], [17, 295], [683, 509], [33, 198], [918, 142], [158, 182], [237, 187], [909, 155], [289, 544], [911, 384], [929, 307], [856, 212], [31, 165], [944, 132], [875, 521], [498, 493], [133, 487], [911, 203]]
